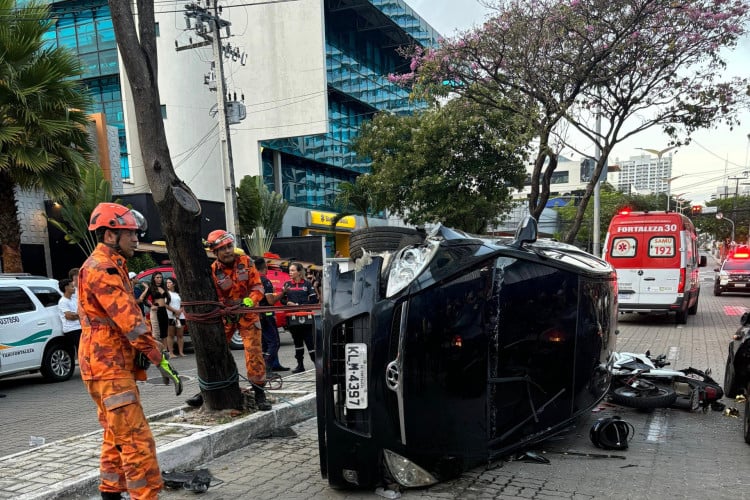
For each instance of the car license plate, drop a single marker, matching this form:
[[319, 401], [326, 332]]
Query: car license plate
[[356, 376]]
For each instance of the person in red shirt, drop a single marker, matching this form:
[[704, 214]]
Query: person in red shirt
[[237, 282], [114, 342]]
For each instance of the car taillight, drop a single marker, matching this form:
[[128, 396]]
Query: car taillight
[[741, 256], [681, 285]]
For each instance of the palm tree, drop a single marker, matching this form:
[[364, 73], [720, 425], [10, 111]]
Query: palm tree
[[43, 136], [261, 213], [357, 198]]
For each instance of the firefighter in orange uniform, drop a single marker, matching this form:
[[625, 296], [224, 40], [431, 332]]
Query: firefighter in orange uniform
[[115, 343], [238, 282]]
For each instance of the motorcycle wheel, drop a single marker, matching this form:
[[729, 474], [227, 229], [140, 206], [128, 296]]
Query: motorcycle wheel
[[661, 397]]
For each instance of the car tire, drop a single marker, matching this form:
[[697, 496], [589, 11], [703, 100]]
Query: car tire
[[681, 316], [235, 343], [58, 362], [717, 290], [730, 381], [626, 396], [692, 310], [382, 239], [746, 417]]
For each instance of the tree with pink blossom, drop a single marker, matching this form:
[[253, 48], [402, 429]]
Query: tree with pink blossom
[[642, 63]]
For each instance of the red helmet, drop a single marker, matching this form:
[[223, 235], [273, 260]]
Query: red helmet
[[219, 238], [116, 216]]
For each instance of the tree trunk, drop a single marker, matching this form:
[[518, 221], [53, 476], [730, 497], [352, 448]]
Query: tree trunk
[[179, 209], [10, 228]]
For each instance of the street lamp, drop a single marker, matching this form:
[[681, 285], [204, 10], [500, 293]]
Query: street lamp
[[669, 187], [659, 153], [720, 216]]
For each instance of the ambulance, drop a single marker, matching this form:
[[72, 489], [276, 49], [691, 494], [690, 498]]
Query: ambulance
[[656, 258]]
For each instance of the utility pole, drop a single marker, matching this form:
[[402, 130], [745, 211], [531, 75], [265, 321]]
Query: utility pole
[[211, 17]]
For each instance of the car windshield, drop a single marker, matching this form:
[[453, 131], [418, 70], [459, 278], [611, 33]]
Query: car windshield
[[737, 265]]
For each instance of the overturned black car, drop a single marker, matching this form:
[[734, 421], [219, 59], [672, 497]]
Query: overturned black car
[[457, 351], [737, 372]]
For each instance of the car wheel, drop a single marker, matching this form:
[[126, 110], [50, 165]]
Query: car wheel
[[746, 417], [382, 239], [58, 362], [730, 384], [717, 290], [235, 343]]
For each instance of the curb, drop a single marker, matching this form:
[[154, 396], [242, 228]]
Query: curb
[[200, 447]]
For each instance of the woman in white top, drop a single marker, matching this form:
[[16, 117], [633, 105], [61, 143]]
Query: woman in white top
[[176, 316]]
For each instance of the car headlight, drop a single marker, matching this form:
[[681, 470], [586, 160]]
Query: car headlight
[[724, 275], [406, 472], [408, 264]]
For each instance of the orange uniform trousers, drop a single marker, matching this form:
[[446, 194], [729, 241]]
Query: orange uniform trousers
[[250, 332], [128, 456]]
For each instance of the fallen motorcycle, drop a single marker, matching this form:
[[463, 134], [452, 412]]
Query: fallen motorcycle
[[639, 381], [737, 372]]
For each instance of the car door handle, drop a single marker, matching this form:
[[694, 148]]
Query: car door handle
[[41, 322], [649, 279]]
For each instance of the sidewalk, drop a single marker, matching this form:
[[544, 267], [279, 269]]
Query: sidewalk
[[70, 466]]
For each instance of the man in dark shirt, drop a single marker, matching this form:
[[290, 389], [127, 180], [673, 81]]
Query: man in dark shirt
[[270, 333], [299, 291]]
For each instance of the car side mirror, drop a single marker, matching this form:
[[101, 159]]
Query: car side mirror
[[526, 232]]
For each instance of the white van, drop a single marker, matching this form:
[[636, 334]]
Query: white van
[[656, 258]]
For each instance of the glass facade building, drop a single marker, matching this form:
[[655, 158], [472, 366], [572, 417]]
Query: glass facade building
[[85, 27], [361, 39]]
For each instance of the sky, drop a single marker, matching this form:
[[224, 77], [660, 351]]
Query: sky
[[698, 169]]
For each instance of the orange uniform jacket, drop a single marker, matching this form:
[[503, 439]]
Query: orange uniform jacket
[[237, 282], [113, 327]]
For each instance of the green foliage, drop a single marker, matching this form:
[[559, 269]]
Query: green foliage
[[610, 202], [736, 209], [358, 198], [261, 212], [76, 211], [140, 262], [455, 164], [43, 122]]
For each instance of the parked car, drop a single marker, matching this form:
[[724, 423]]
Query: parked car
[[457, 351], [737, 372], [31, 336], [734, 273]]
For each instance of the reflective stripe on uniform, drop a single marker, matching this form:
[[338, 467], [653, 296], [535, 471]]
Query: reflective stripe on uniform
[[140, 483], [137, 332], [110, 476], [119, 400]]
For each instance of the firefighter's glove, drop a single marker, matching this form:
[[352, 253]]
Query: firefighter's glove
[[169, 373], [248, 302], [141, 361]]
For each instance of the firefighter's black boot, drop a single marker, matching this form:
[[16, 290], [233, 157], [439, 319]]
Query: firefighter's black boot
[[300, 367], [196, 401], [108, 495], [260, 399]]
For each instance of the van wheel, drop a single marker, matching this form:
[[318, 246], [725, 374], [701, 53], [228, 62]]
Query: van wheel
[[681, 317], [694, 308], [58, 362]]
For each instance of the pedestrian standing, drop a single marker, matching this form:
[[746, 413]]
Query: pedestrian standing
[[114, 342], [299, 291], [176, 319], [68, 309], [270, 331], [237, 282]]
